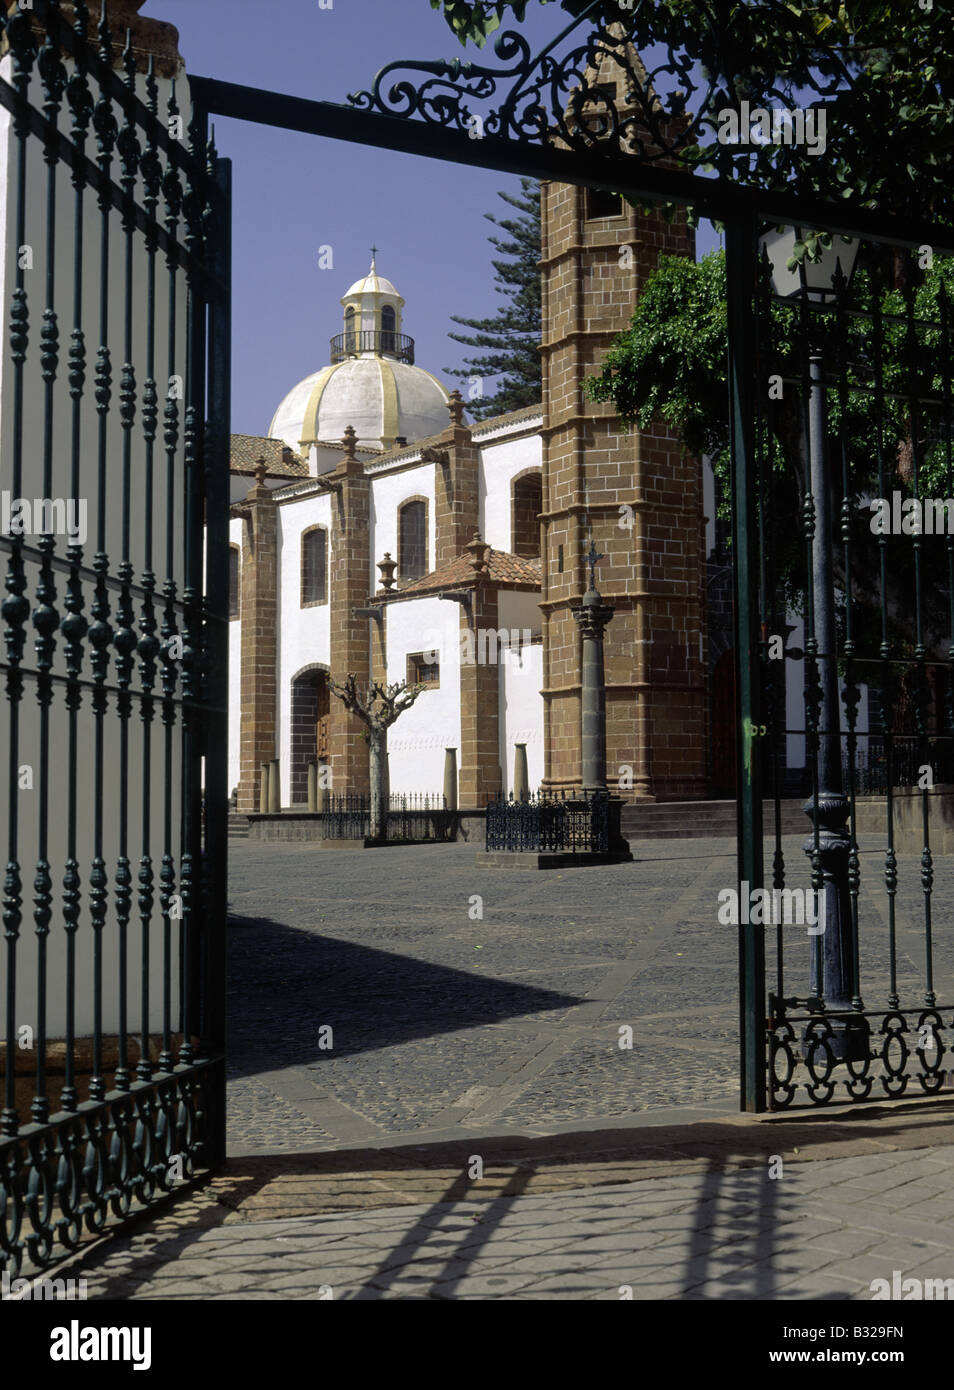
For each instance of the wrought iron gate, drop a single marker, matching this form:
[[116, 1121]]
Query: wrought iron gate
[[113, 412], [851, 667]]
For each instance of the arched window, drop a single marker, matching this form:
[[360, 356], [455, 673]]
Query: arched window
[[388, 323], [526, 504], [314, 566], [233, 581], [412, 540], [350, 340]]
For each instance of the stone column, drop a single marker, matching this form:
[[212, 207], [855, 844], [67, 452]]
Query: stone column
[[450, 778], [592, 617], [479, 689], [521, 777], [259, 671], [350, 640], [456, 474]]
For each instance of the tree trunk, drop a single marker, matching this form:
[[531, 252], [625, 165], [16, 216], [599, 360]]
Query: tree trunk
[[380, 789]]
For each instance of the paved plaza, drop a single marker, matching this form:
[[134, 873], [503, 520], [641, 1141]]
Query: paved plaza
[[428, 1097]]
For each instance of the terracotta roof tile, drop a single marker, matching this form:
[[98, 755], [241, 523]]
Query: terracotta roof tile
[[280, 460], [505, 570]]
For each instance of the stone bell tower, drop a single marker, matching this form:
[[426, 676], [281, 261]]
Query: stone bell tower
[[635, 491]]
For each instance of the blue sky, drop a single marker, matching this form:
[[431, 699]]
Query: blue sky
[[295, 193]]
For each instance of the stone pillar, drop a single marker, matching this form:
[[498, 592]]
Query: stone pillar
[[521, 777], [274, 787], [263, 789], [259, 609], [450, 778], [350, 570], [592, 617], [313, 785], [456, 474], [479, 689]]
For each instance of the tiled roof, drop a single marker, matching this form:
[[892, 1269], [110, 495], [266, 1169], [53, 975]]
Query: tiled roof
[[280, 460], [505, 570]]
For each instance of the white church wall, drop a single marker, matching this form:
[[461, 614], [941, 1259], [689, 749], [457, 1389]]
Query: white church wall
[[417, 741], [521, 713], [521, 680], [500, 462], [387, 493], [304, 634]]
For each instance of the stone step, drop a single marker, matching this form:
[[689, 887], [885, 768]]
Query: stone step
[[698, 819]]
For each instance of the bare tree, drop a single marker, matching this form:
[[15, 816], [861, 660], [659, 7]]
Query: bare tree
[[377, 706]]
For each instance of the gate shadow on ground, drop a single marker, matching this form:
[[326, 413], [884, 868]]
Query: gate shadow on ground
[[671, 1211], [371, 998]]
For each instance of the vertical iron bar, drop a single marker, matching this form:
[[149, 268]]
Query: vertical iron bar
[[741, 263]]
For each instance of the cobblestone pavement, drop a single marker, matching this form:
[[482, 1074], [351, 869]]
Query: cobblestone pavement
[[819, 1230], [444, 1021]]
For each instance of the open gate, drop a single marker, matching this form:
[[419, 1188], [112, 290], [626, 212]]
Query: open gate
[[115, 715], [113, 420]]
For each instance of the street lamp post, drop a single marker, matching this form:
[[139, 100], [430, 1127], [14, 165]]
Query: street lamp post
[[834, 969]]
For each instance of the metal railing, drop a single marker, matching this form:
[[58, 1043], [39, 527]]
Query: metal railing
[[398, 345], [411, 816], [575, 824]]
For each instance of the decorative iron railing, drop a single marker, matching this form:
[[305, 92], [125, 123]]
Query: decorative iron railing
[[411, 816], [115, 394], [541, 823], [397, 345]]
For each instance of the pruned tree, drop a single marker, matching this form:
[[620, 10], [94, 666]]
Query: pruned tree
[[378, 707]]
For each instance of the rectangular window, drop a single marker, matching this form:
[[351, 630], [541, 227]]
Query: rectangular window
[[601, 203], [314, 566], [233, 582], [421, 672]]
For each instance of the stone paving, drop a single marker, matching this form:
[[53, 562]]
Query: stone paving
[[819, 1229], [604, 1172], [441, 1023]]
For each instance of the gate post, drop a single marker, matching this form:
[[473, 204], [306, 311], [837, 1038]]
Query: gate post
[[216, 747], [741, 265]]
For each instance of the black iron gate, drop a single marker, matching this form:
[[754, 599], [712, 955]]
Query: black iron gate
[[114, 467], [851, 511]]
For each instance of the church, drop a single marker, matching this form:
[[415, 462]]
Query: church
[[375, 532]]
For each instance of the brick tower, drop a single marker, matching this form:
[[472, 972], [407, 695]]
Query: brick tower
[[638, 494]]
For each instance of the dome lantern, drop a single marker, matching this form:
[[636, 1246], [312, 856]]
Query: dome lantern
[[372, 321], [371, 381]]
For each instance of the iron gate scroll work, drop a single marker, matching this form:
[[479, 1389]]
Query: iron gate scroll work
[[587, 110], [117, 194]]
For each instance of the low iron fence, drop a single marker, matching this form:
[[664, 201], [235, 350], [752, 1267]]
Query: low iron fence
[[415, 816], [908, 759], [575, 824]]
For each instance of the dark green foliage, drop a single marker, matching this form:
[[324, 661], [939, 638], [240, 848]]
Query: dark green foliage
[[509, 342]]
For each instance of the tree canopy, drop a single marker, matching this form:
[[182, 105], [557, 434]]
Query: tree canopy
[[510, 341]]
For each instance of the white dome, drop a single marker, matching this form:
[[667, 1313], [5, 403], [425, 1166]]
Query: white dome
[[372, 284], [383, 399]]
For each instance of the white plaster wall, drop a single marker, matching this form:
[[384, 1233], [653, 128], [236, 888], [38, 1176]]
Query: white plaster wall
[[387, 494], [521, 713], [417, 741], [304, 634], [521, 680], [500, 462]]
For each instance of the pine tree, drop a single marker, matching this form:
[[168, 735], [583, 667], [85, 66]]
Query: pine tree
[[511, 339]]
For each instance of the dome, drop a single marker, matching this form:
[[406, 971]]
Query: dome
[[372, 382], [383, 399]]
